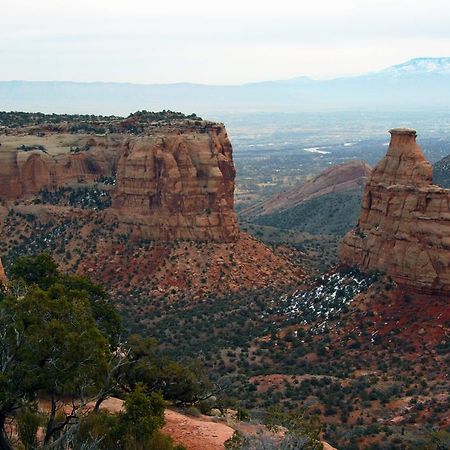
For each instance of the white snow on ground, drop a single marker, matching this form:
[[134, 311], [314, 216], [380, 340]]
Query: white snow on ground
[[328, 299]]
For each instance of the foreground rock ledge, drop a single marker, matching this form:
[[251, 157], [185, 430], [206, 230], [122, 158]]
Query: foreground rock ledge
[[404, 224]]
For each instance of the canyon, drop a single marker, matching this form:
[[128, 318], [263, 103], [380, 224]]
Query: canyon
[[106, 191], [404, 224], [144, 206]]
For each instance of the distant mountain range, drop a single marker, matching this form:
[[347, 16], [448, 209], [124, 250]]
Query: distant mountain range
[[421, 84], [422, 66]]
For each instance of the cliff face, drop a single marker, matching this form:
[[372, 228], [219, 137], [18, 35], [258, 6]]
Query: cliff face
[[174, 180], [171, 230], [404, 224], [24, 173], [340, 178], [178, 184]]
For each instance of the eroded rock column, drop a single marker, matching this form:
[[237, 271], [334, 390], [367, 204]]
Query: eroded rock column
[[404, 224]]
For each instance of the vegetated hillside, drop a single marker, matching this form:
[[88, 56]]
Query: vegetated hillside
[[65, 349], [312, 216], [314, 228], [334, 213], [339, 178], [316, 253], [370, 359], [441, 172], [135, 270], [63, 354]]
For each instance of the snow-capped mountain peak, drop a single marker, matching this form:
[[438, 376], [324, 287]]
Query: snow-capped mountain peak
[[422, 65]]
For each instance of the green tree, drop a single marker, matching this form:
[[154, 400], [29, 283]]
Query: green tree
[[41, 270], [28, 422], [49, 342], [184, 384], [439, 440], [56, 335], [105, 314], [61, 338], [136, 428], [299, 433], [144, 414]]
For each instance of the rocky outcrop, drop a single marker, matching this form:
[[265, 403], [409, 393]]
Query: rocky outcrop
[[174, 179], [178, 184], [340, 178], [24, 170], [171, 231], [404, 224]]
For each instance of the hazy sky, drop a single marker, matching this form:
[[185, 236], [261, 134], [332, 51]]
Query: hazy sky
[[230, 41]]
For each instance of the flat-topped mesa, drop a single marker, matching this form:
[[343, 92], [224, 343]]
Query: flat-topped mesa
[[179, 184], [404, 224], [174, 174]]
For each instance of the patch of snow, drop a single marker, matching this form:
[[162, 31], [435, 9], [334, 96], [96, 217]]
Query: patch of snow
[[323, 302]]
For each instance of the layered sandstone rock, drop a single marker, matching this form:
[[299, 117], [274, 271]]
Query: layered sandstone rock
[[174, 179], [178, 184], [340, 178], [404, 225], [24, 173]]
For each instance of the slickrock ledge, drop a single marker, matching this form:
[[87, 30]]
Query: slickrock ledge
[[404, 224]]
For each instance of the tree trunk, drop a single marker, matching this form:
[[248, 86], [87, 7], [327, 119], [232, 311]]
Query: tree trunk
[[4, 441], [51, 420], [99, 402]]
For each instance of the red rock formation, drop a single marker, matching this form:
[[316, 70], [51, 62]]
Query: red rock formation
[[25, 173], [404, 225], [179, 184], [340, 178], [175, 180]]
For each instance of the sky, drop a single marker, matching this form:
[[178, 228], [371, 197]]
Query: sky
[[215, 42]]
